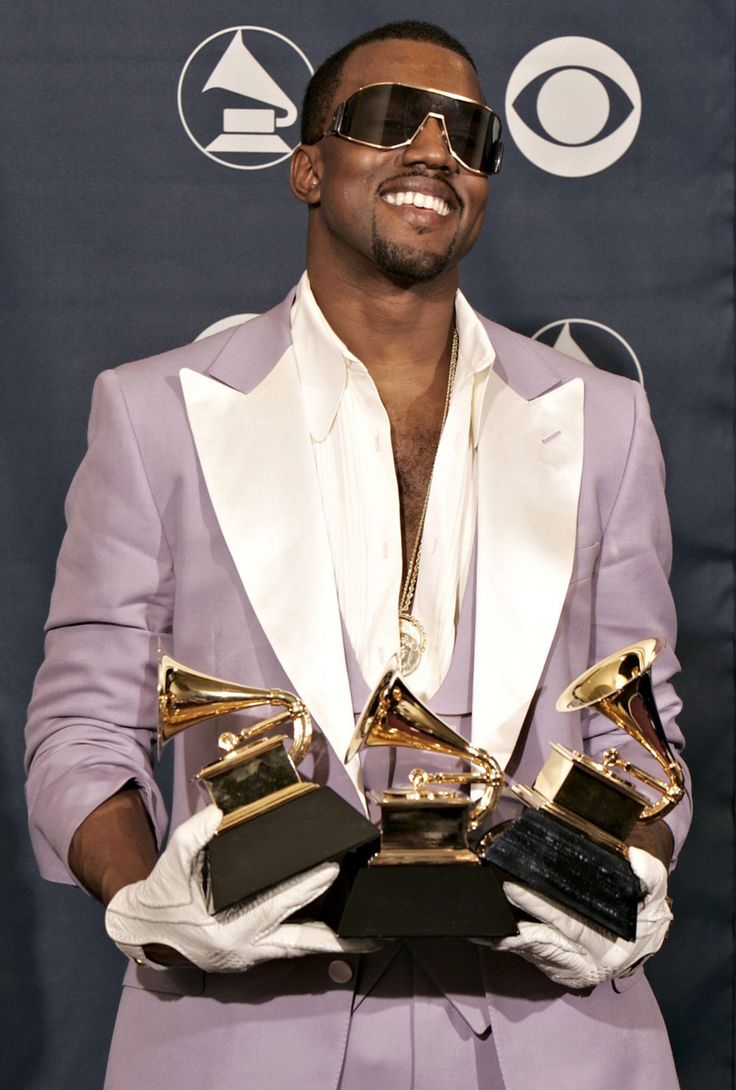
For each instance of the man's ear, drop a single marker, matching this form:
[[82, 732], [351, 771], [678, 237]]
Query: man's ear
[[305, 173]]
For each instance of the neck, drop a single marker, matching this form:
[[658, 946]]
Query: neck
[[401, 333]]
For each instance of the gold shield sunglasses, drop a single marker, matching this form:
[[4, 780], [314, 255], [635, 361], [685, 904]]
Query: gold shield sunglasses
[[389, 115]]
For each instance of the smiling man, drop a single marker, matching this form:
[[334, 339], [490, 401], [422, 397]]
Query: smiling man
[[371, 468]]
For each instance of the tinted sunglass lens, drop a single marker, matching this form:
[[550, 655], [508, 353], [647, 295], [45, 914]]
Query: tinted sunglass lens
[[468, 127], [363, 114], [388, 116]]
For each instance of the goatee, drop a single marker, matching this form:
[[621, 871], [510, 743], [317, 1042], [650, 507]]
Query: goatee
[[406, 262]]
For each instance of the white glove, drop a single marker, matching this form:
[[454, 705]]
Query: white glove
[[169, 907], [577, 955]]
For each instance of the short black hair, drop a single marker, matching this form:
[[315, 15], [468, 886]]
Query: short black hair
[[322, 85]]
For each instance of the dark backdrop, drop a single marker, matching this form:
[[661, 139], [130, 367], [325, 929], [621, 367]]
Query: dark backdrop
[[120, 238]]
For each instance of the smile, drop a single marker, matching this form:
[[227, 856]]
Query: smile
[[419, 200]]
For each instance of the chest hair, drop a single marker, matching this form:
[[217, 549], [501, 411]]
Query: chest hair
[[414, 437]]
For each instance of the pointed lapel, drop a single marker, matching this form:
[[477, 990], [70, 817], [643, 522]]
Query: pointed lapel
[[257, 462], [530, 459]]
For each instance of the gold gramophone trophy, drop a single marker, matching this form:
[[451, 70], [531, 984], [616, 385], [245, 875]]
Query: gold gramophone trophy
[[570, 844], [425, 880], [275, 824]]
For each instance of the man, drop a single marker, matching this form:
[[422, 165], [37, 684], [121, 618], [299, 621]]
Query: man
[[370, 464]]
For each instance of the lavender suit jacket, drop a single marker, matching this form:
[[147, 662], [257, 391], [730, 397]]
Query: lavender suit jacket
[[195, 517]]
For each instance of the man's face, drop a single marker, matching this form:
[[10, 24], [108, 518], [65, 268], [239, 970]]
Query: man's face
[[364, 207]]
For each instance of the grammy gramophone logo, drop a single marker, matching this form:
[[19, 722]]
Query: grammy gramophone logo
[[238, 95], [592, 342]]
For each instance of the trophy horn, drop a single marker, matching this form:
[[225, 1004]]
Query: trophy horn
[[394, 716], [187, 697], [620, 687]]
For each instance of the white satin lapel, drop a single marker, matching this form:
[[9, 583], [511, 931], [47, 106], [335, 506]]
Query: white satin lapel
[[530, 460], [257, 462]]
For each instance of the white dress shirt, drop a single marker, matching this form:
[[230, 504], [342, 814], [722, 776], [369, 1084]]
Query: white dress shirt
[[351, 440]]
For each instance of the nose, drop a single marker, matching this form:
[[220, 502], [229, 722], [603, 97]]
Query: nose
[[430, 146]]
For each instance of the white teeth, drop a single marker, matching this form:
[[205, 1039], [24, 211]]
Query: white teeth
[[419, 200]]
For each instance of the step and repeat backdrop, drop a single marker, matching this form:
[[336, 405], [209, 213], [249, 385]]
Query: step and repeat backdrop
[[143, 172]]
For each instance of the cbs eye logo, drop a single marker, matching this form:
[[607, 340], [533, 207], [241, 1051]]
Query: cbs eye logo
[[573, 106]]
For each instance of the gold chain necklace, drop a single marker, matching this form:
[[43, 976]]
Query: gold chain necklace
[[412, 636]]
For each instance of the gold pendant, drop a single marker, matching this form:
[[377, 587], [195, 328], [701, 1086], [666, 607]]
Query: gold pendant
[[412, 641]]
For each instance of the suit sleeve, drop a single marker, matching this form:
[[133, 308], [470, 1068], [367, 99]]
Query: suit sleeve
[[91, 721], [632, 598]]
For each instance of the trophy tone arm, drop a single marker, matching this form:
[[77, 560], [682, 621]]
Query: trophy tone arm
[[113, 847]]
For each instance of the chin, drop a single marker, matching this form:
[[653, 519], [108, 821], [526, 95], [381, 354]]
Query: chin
[[408, 263]]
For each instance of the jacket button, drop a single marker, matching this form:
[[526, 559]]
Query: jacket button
[[340, 971]]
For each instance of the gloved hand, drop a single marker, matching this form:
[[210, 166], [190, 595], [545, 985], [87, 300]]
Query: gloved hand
[[577, 955], [169, 908]]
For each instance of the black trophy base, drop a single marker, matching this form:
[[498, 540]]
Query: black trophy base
[[311, 829], [550, 858], [426, 900]]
